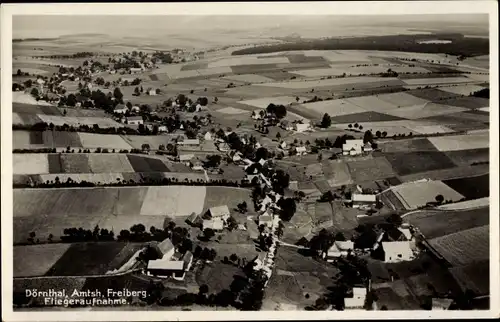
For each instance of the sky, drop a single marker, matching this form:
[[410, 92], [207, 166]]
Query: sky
[[45, 26]]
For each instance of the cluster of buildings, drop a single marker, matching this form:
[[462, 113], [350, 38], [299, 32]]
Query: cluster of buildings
[[170, 263], [356, 147]]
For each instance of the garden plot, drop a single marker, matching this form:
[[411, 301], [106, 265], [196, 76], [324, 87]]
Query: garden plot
[[464, 247], [30, 163], [405, 163], [265, 101], [334, 108], [105, 163], [402, 99], [461, 142], [231, 111], [437, 81], [347, 81], [370, 170], [36, 260], [461, 89], [92, 141], [417, 194], [76, 163], [337, 173], [75, 121], [173, 201], [372, 103], [249, 78], [426, 110]]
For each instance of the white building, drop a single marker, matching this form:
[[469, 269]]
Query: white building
[[339, 249], [135, 70], [221, 212], [191, 142], [258, 114], [166, 249], [302, 127], [214, 224], [120, 109], [135, 109], [301, 150], [359, 200], [162, 128], [183, 157], [135, 120], [352, 147], [283, 145], [266, 220], [208, 136], [397, 251], [152, 92], [358, 299], [166, 268]]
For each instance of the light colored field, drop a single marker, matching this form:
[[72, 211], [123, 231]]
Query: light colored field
[[247, 60], [428, 129], [278, 100], [479, 77], [437, 81], [79, 177], [33, 163], [371, 103], [485, 109], [461, 89], [425, 110], [92, 140], [464, 247], [22, 97], [337, 173], [60, 120], [326, 82], [334, 107], [31, 71], [231, 111], [36, 260], [136, 141], [249, 78], [337, 70], [125, 222], [173, 201], [339, 55], [468, 204], [20, 139], [398, 127], [461, 142], [16, 119], [415, 194], [402, 99], [104, 163], [199, 72]]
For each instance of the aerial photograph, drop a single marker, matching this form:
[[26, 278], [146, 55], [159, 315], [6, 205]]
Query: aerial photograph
[[251, 163]]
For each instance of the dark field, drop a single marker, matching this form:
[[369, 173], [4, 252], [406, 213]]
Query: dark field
[[55, 165], [75, 163], [86, 259], [432, 94], [35, 109], [407, 146], [152, 176], [36, 137], [430, 75], [434, 224], [142, 164], [301, 58], [471, 187], [467, 157], [415, 162], [218, 276], [365, 117], [467, 102], [371, 169], [194, 66], [61, 139]]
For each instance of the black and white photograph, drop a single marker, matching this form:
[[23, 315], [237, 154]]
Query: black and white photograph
[[206, 158]]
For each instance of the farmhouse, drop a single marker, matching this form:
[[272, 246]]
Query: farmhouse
[[259, 261], [339, 249], [208, 136], [135, 109], [235, 156], [191, 142], [166, 249], [221, 212], [135, 70], [196, 164], [301, 150], [188, 260], [286, 125], [223, 147], [166, 268], [258, 114], [301, 127], [360, 200], [357, 301], [283, 145], [397, 251], [151, 92], [162, 128], [266, 220], [185, 157], [214, 224], [352, 147], [193, 219], [135, 120]]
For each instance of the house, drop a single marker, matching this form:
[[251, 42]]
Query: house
[[188, 260], [162, 128], [135, 120], [219, 212], [193, 219], [185, 157], [223, 147], [301, 150], [266, 220], [406, 233], [214, 224], [166, 268], [166, 249], [293, 185], [339, 249], [252, 177], [262, 162], [40, 81], [235, 156], [208, 136], [359, 200], [301, 127], [190, 142], [260, 261], [367, 147], [352, 147], [196, 164], [135, 109], [357, 300], [283, 145], [135, 70], [151, 92], [258, 114], [397, 251]]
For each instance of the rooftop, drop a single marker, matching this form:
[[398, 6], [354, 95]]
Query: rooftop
[[166, 265], [219, 211]]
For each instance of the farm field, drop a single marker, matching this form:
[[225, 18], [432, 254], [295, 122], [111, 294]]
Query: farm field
[[104, 141], [418, 161], [461, 142], [263, 102], [437, 223], [416, 194], [337, 173], [408, 145], [426, 110], [76, 121], [347, 82], [436, 81], [41, 258], [30, 163], [471, 187], [464, 247], [475, 277], [333, 108], [368, 170], [173, 201], [35, 109], [461, 89]]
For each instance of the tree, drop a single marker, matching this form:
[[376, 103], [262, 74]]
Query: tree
[[340, 236], [208, 233], [233, 257], [34, 92], [395, 220], [203, 289], [439, 198], [297, 99], [326, 121], [349, 126], [145, 147], [384, 134], [242, 207], [137, 92], [288, 208], [117, 93], [378, 134], [213, 161], [232, 223], [368, 137], [278, 135]]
